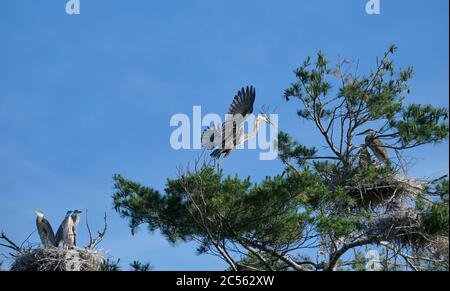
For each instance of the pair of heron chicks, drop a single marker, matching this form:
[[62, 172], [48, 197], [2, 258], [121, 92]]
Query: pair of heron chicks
[[66, 234], [377, 147]]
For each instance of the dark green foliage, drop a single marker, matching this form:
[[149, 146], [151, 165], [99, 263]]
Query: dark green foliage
[[140, 267], [230, 200], [144, 205], [435, 219], [109, 265], [291, 149], [422, 124]]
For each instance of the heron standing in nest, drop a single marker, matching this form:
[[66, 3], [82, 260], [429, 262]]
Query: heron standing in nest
[[76, 219], [64, 234], [364, 156], [45, 230], [225, 137], [376, 145]]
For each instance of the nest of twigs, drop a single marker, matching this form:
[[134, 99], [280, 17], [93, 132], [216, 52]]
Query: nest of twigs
[[383, 191], [402, 227], [53, 259]]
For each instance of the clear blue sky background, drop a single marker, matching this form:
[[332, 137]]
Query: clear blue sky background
[[85, 96]]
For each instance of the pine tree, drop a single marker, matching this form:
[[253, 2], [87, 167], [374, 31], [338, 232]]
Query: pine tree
[[329, 207]]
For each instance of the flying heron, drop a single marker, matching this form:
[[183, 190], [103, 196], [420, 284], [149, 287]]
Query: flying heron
[[76, 219], [45, 230], [60, 234], [375, 144], [225, 137]]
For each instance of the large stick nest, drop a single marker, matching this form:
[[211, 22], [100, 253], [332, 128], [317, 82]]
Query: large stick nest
[[404, 228], [53, 259], [383, 190]]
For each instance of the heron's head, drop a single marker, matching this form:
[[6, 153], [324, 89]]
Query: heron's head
[[39, 213], [77, 212], [368, 132], [69, 212]]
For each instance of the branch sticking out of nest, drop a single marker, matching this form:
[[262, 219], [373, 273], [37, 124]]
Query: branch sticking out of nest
[[93, 242], [9, 243]]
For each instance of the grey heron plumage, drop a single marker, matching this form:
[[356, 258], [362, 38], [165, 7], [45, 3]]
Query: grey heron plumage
[[60, 232], [45, 230], [75, 219], [223, 138], [243, 102], [364, 156], [68, 235], [376, 145]]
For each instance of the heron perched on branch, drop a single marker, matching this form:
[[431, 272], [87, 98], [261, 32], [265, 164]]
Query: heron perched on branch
[[222, 139], [376, 145], [45, 230]]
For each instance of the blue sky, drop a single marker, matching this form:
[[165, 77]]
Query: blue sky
[[85, 96]]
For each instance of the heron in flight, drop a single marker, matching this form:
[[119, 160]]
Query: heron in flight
[[376, 145], [45, 230], [62, 233], [222, 139]]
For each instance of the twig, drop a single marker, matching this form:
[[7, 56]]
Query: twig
[[88, 229], [11, 244], [100, 236]]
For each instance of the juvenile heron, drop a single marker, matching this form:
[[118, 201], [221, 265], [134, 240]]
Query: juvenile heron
[[60, 232], [364, 156], [68, 235], [225, 137], [45, 230], [76, 219], [376, 145]]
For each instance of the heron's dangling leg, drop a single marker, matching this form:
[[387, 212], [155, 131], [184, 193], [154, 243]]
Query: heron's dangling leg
[[218, 162]]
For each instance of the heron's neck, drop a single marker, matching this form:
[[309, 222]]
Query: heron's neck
[[256, 124], [255, 129]]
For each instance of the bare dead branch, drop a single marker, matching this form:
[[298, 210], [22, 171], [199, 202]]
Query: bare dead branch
[[94, 242], [9, 243]]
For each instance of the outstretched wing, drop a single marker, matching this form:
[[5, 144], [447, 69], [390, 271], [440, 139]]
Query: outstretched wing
[[243, 102], [229, 134]]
